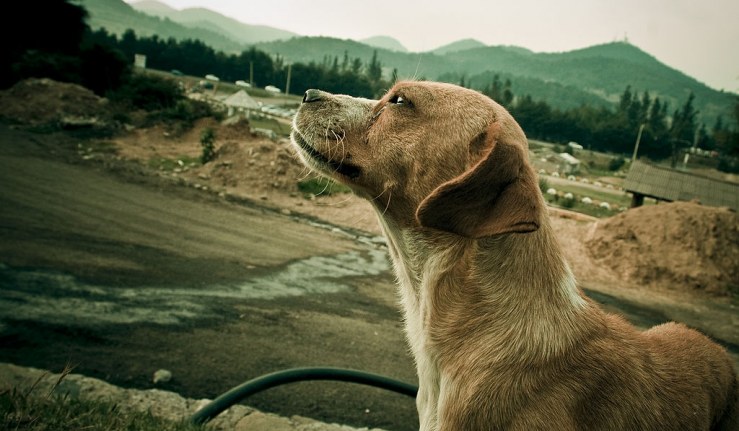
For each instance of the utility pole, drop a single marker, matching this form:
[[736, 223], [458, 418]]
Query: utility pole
[[638, 139], [287, 85]]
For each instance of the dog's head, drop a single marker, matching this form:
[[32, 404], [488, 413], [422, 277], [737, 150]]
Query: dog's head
[[427, 154]]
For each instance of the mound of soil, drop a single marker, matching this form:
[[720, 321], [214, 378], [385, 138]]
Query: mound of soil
[[675, 245], [43, 101]]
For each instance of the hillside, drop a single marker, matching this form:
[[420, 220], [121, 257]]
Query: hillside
[[384, 42], [116, 17], [603, 70], [598, 73], [460, 45], [214, 21]]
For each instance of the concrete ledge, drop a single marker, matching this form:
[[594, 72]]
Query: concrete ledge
[[163, 404]]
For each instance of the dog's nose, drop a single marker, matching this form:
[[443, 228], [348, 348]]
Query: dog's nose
[[311, 96]]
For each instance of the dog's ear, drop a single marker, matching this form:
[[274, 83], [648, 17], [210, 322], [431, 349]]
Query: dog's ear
[[497, 195]]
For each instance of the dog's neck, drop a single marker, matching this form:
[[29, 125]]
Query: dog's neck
[[513, 293]]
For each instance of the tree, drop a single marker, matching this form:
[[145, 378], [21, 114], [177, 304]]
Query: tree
[[374, 69], [682, 129], [207, 140], [44, 39]]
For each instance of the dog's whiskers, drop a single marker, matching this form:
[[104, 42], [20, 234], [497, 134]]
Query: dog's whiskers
[[389, 197]]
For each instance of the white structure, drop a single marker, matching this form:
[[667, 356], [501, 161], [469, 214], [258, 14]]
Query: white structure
[[240, 102], [568, 164], [574, 145], [139, 60]]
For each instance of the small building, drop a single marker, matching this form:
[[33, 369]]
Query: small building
[[665, 184], [239, 102], [568, 164]]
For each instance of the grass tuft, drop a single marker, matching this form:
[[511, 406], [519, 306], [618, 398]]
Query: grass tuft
[[30, 410], [321, 186]]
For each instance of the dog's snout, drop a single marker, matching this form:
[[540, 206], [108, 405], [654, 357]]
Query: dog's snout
[[312, 96]]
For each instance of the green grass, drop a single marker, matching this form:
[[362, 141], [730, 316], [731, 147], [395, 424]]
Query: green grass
[[321, 186], [620, 199], [29, 410]]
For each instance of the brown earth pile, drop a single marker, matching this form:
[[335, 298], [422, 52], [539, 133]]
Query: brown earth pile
[[42, 101], [677, 245]]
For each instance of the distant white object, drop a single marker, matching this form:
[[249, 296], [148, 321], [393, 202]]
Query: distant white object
[[584, 180], [574, 145], [605, 205], [598, 184], [211, 77], [571, 178], [139, 60], [551, 191], [543, 171], [586, 200], [555, 174], [272, 89], [242, 83], [569, 195], [162, 376], [241, 99]]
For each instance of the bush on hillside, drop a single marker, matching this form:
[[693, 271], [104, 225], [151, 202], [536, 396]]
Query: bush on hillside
[[148, 92]]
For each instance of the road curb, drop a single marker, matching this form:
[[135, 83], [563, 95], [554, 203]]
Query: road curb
[[163, 404]]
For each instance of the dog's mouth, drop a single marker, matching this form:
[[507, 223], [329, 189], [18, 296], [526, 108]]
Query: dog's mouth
[[346, 169]]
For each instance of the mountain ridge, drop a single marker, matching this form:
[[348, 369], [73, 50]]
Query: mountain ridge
[[602, 71], [206, 18], [385, 42]]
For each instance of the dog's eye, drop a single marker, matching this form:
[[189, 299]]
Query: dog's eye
[[398, 100]]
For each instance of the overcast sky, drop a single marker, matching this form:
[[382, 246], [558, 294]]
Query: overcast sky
[[700, 38]]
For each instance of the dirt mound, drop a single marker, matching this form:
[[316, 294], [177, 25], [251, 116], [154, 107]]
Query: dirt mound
[[676, 245], [256, 163], [43, 101]]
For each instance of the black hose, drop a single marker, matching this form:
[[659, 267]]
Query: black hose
[[267, 381]]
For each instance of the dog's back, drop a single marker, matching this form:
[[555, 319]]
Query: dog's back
[[669, 377]]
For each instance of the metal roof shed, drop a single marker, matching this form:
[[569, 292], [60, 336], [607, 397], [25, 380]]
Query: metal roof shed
[[645, 179]]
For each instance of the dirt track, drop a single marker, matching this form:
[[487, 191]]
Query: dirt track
[[122, 274], [121, 279]]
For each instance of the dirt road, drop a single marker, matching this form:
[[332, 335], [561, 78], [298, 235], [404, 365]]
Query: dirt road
[[121, 279]]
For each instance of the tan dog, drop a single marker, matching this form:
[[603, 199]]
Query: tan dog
[[502, 336]]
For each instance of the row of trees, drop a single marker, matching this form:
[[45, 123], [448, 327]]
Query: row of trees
[[62, 51], [92, 59], [662, 134], [101, 61], [348, 76]]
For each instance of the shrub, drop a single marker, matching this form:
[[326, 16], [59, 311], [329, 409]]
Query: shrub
[[207, 140], [616, 163], [568, 202], [543, 185], [148, 92], [321, 186]]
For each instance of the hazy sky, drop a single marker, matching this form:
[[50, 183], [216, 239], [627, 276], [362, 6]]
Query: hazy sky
[[700, 38]]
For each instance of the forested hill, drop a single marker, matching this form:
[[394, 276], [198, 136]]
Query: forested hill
[[208, 19], [116, 17], [594, 75]]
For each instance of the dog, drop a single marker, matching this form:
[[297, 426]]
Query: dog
[[502, 336]]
